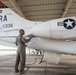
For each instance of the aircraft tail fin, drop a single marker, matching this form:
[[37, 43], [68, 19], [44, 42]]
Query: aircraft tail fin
[[9, 20], [8, 16]]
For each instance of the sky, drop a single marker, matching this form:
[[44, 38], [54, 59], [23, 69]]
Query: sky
[[4, 47]]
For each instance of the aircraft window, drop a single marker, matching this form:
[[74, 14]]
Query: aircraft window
[[0, 11]]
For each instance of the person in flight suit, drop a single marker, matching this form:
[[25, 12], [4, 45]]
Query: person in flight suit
[[21, 55]]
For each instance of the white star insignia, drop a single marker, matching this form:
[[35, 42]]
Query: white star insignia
[[69, 23]]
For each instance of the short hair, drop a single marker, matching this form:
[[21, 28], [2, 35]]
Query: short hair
[[21, 30]]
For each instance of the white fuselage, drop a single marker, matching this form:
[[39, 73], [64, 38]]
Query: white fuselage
[[51, 35]]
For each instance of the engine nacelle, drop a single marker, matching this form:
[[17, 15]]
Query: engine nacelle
[[42, 30], [63, 28], [51, 57]]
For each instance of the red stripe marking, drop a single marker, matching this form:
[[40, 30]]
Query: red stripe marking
[[2, 4]]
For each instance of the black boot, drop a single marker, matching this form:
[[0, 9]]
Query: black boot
[[16, 71]]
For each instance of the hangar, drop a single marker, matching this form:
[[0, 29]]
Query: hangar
[[40, 11]]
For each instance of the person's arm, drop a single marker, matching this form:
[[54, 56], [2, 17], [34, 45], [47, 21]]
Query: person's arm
[[26, 40]]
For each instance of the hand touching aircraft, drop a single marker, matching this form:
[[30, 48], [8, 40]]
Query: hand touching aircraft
[[54, 37]]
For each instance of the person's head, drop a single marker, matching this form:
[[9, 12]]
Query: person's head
[[22, 32]]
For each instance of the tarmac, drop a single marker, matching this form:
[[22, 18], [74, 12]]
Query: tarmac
[[67, 66]]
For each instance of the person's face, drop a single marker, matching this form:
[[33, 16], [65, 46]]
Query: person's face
[[22, 32]]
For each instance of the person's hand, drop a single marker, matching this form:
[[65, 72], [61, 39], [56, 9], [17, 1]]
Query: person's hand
[[32, 36]]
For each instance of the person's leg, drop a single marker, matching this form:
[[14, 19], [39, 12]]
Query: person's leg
[[17, 62], [22, 61]]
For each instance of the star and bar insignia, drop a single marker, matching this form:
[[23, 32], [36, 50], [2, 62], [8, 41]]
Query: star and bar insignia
[[68, 23]]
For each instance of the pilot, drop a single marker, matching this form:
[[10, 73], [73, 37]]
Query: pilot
[[21, 55]]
